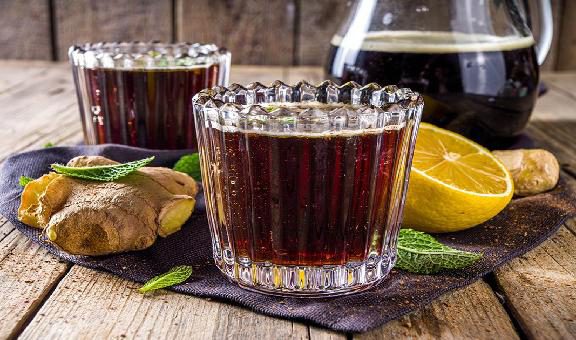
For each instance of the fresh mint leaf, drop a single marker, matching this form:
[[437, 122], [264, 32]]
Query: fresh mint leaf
[[270, 108], [173, 277], [421, 253], [23, 180], [189, 164], [104, 173]]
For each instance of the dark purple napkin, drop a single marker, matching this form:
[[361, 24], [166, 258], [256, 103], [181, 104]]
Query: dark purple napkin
[[524, 224]]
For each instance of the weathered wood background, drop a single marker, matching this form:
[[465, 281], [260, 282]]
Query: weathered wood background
[[265, 32]]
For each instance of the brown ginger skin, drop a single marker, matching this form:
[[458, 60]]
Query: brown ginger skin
[[533, 170], [97, 218]]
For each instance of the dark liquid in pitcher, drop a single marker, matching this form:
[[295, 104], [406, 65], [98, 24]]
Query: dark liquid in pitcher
[[481, 87], [304, 200], [148, 108]]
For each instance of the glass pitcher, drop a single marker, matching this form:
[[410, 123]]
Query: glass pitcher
[[475, 61]]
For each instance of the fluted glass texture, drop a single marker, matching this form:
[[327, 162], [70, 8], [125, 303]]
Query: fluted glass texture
[[140, 93], [305, 184]]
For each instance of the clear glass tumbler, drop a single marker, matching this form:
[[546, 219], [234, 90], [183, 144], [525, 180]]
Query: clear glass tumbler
[[140, 94], [305, 184]]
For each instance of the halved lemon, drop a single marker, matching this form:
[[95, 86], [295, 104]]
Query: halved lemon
[[455, 183]]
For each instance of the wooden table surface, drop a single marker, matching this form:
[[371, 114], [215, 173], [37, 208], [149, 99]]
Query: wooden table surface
[[534, 296]]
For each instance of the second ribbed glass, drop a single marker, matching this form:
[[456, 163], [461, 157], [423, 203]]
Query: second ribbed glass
[[305, 184], [140, 93]]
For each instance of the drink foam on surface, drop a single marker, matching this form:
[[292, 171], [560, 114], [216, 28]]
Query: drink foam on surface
[[432, 42]]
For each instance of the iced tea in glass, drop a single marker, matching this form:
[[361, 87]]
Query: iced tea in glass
[[305, 184]]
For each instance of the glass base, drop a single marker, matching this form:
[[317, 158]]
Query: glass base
[[305, 281]]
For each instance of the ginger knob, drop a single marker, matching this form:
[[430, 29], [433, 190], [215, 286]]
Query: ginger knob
[[533, 171]]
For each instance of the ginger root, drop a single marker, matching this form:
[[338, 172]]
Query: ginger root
[[533, 171], [97, 218]]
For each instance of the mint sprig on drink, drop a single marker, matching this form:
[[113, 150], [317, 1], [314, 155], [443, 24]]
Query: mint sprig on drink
[[421, 253], [104, 173]]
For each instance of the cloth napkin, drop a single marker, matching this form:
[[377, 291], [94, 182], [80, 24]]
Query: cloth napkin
[[524, 224]]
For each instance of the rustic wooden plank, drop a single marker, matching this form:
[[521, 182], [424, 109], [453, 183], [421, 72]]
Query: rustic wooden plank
[[540, 288], [108, 20], [85, 296], [312, 74], [557, 137], [39, 110], [566, 59], [571, 225], [319, 21], [562, 81], [35, 99], [264, 74], [322, 334], [27, 274], [555, 105], [25, 30], [14, 72], [256, 31], [472, 312]]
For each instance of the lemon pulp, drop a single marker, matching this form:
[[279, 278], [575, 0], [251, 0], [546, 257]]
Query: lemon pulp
[[455, 183]]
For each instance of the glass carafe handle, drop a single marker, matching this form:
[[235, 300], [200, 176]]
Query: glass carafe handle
[[546, 30]]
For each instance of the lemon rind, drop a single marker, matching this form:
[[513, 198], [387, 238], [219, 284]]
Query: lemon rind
[[482, 150]]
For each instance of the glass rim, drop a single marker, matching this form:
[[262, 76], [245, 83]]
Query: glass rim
[[327, 92], [305, 109], [151, 55]]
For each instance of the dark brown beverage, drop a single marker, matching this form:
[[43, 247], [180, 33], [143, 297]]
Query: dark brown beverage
[[305, 185], [483, 87], [145, 108], [140, 93], [306, 200]]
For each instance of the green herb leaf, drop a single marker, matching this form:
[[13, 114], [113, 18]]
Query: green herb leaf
[[104, 173], [173, 277], [49, 145], [25, 180], [270, 108], [421, 253], [189, 164]]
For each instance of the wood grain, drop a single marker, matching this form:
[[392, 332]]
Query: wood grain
[[540, 288], [562, 82], [37, 104], [472, 312], [322, 334], [85, 296], [35, 98], [567, 37], [25, 30], [27, 273], [266, 75], [311, 74], [39, 109], [318, 22], [255, 31], [83, 21]]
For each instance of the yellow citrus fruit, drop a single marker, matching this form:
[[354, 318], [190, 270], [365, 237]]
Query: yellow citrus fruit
[[455, 183]]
